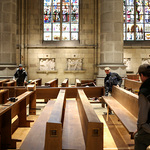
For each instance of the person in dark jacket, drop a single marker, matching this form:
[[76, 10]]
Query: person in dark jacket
[[111, 79], [20, 76], [142, 135]]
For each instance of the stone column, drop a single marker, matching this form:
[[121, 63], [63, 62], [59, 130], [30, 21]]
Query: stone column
[[111, 39], [8, 12], [8, 32]]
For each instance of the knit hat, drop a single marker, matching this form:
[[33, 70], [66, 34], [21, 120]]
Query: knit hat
[[20, 65]]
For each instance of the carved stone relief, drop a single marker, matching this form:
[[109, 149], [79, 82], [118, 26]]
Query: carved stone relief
[[145, 60], [47, 64], [74, 64], [127, 63]]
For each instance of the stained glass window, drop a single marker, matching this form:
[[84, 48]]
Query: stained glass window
[[61, 20], [136, 14]]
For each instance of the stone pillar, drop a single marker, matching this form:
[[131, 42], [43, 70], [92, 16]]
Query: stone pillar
[[111, 39], [8, 32]]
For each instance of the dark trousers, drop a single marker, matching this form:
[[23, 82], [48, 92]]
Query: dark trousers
[[142, 140], [20, 83]]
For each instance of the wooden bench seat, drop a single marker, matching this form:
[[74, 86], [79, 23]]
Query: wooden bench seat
[[38, 130], [125, 106], [127, 119], [52, 83], [72, 137]]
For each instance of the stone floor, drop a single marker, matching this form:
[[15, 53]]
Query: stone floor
[[115, 135]]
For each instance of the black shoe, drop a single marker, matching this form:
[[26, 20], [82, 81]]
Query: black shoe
[[105, 113]]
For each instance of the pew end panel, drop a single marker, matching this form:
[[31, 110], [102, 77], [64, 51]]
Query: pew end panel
[[53, 136], [91, 125]]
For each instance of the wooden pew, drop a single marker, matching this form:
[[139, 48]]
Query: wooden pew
[[91, 126], [10, 83], [121, 102], [8, 111], [71, 92], [3, 81], [52, 83], [65, 83], [133, 77], [77, 83], [37, 81], [132, 85], [4, 94], [54, 112], [86, 81], [54, 126], [44, 92]]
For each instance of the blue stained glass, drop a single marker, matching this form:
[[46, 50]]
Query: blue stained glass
[[68, 27]]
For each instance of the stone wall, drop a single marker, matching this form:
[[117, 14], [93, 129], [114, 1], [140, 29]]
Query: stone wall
[[136, 57], [60, 55], [34, 47]]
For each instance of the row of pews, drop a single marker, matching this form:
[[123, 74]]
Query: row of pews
[[63, 124], [13, 113], [14, 110]]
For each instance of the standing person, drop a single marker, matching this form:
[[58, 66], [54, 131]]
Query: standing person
[[111, 79], [142, 135], [20, 75]]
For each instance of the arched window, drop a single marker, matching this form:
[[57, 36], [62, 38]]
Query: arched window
[[61, 20], [136, 15]]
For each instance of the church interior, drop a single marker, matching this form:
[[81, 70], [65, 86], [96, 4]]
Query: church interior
[[64, 46]]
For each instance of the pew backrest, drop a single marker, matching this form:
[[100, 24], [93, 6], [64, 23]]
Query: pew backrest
[[132, 85], [126, 99], [10, 83], [4, 94], [3, 81], [54, 126], [133, 77], [91, 126], [52, 83], [65, 83], [37, 81], [78, 83]]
